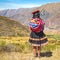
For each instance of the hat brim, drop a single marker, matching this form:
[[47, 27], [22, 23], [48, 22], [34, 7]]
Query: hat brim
[[35, 12]]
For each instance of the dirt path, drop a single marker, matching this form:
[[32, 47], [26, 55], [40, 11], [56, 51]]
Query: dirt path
[[55, 55]]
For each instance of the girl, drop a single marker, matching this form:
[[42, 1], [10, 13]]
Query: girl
[[37, 39]]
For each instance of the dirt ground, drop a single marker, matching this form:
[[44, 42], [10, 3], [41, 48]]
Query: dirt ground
[[54, 55]]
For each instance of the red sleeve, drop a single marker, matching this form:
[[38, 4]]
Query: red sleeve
[[43, 22]]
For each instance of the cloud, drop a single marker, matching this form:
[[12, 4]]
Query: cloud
[[15, 6]]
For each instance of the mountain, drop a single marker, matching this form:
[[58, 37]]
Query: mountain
[[54, 22], [48, 12], [52, 25], [21, 15], [10, 27]]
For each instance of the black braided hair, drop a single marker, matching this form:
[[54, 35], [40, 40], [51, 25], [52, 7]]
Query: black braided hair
[[36, 15]]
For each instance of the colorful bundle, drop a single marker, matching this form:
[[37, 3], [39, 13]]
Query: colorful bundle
[[36, 24]]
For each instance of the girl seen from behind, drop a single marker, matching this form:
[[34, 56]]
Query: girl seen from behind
[[37, 36]]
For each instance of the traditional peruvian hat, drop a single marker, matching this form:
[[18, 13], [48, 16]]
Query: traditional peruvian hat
[[35, 11]]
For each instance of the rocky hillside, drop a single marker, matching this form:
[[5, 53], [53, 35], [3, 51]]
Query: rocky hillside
[[12, 28], [50, 10], [23, 15], [54, 22]]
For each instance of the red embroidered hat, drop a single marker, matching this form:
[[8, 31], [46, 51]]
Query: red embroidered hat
[[35, 11]]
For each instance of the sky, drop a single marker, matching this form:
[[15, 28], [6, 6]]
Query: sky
[[15, 4]]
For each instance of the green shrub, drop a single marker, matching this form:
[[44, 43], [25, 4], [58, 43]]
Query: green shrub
[[2, 43], [12, 47]]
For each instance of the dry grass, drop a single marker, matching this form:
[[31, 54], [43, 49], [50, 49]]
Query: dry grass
[[52, 54], [28, 56]]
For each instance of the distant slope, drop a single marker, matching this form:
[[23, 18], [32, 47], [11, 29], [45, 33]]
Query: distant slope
[[12, 28], [23, 15], [54, 22], [48, 12]]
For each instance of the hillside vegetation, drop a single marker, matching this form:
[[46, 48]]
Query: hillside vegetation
[[10, 27]]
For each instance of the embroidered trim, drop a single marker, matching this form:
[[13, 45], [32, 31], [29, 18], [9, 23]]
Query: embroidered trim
[[39, 44], [38, 38]]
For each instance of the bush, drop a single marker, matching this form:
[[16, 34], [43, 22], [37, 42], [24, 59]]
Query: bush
[[13, 48], [2, 43]]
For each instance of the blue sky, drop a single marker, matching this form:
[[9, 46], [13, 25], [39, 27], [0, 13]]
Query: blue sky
[[14, 4]]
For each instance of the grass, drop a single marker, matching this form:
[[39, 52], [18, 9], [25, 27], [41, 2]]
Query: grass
[[54, 36], [21, 43], [15, 44], [15, 48]]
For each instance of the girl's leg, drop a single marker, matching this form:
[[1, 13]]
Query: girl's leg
[[39, 50], [35, 51]]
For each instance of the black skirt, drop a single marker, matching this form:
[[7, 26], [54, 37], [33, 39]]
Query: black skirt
[[38, 39]]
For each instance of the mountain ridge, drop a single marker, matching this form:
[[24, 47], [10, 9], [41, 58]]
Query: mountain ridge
[[23, 15]]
